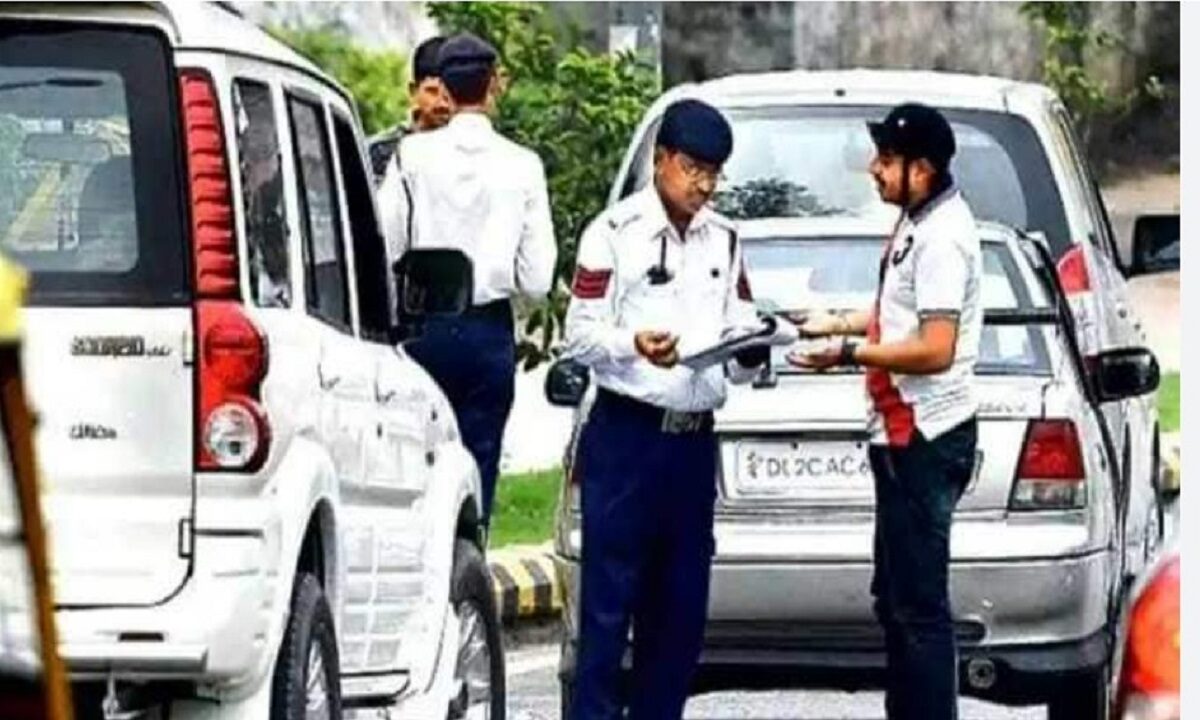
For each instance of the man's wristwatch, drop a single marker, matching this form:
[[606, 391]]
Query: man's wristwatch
[[847, 355]]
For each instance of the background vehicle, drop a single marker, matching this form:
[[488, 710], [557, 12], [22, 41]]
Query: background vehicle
[[791, 574], [254, 498]]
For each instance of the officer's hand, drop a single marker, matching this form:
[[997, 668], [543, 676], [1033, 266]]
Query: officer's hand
[[817, 324], [658, 347]]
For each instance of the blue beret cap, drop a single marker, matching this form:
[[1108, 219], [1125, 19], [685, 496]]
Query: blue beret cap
[[465, 53], [697, 129]]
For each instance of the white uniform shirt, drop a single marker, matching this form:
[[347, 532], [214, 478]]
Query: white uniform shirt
[[934, 268], [472, 189], [613, 298]]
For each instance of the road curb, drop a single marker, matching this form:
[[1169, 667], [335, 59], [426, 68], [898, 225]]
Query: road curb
[[525, 582]]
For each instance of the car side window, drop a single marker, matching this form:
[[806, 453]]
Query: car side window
[[370, 254], [260, 165], [325, 277]]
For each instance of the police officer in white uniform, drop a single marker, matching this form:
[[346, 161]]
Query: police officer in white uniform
[[659, 276], [474, 190], [922, 340]]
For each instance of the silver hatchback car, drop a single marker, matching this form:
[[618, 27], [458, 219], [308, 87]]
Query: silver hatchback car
[[1062, 508]]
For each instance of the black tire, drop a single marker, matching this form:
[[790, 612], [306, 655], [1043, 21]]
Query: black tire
[[1084, 697], [471, 585], [310, 626]]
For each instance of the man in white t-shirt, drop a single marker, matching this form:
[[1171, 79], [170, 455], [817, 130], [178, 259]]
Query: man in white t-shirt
[[922, 340]]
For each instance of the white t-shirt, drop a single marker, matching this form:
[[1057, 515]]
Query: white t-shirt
[[933, 267]]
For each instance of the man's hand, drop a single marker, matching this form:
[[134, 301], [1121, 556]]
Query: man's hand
[[822, 359], [818, 324], [658, 347]]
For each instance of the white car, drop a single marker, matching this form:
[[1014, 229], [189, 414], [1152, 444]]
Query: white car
[[1063, 509], [258, 505]]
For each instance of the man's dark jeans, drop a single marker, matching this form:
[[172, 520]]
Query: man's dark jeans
[[916, 490]]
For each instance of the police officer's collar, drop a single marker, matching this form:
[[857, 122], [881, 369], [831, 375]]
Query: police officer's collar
[[471, 121], [656, 216], [942, 191]]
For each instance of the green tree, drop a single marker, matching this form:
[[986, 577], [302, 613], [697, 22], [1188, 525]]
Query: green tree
[[377, 79], [575, 108], [1071, 40]]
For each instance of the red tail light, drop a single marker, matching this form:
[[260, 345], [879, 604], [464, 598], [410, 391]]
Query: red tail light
[[1149, 686], [232, 432], [1051, 472], [1073, 272]]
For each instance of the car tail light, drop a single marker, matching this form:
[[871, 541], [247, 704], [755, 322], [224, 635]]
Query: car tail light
[[1149, 684], [1050, 474], [1073, 272], [232, 432]]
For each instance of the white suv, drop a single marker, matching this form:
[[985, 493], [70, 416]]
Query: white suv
[[257, 503]]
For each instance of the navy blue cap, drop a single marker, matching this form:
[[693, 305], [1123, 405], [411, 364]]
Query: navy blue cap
[[696, 129], [425, 59], [465, 53], [915, 131]]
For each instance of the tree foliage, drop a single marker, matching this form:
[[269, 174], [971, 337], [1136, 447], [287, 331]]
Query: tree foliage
[[576, 109], [377, 79], [1071, 39]]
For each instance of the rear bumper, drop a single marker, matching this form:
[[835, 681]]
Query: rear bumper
[[792, 607], [214, 630]]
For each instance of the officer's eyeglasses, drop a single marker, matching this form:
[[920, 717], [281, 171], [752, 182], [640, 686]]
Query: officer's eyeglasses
[[699, 173]]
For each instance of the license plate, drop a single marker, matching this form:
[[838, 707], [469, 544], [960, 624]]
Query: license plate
[[831, 470]]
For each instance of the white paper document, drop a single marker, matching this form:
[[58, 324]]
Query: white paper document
[[772, 331]]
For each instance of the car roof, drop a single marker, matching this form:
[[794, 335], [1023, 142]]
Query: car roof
[[860, 87], [204, 26]]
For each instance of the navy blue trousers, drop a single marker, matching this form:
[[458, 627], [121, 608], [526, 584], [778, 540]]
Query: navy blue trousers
[[473, 359], [916, 490], [647, 552]]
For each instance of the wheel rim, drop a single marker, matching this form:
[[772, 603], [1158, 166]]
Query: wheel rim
[[316, 693], [473, 669]]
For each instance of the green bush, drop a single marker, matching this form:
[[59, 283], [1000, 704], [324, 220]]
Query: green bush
[[575, 108], [378, 80]]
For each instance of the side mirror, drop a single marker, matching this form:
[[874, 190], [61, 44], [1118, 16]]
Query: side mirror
[[1124, 373], [1155, 245], [566, 383], [432, 283]]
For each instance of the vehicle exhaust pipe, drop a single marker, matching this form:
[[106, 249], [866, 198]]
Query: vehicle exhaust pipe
[[981, 673]]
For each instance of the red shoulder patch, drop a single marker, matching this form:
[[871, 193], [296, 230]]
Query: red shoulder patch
[[590, 284]]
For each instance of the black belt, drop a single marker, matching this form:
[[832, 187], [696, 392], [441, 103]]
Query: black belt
[[673, 422], [494, 310]]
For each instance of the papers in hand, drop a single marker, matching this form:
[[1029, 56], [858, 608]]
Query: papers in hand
[[771, 331]]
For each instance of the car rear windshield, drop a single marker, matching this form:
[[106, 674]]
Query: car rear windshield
[[788, 274], [811, 161], [90, 197]]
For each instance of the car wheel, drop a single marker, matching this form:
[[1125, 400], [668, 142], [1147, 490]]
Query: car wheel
[[479, 670], [1082, 698], [306, 685]]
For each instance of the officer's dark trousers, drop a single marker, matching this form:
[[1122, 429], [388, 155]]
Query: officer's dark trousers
[[647, 551], [916, 489], [473, 359]]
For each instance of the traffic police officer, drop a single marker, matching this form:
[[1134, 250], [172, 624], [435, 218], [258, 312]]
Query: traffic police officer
[[476, 191], [658, 277], [922, 343]]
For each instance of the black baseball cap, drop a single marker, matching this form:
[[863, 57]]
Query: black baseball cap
[[915, 131]]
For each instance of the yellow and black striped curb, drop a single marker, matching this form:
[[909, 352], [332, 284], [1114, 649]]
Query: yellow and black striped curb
[[525, 582]]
